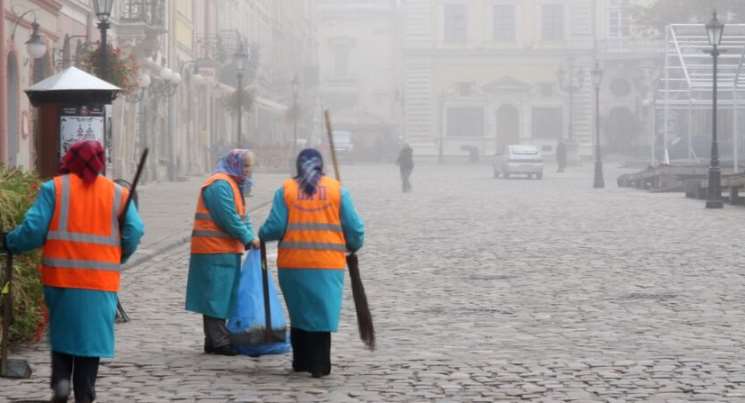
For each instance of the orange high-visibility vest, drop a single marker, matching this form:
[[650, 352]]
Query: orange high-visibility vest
[[83, 246], [206, 236], [314, 238]]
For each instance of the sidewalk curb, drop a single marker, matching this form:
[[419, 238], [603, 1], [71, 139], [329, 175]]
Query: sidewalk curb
[[175, 243]]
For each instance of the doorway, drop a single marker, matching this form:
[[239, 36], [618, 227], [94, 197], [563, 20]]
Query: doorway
[[508, 127]]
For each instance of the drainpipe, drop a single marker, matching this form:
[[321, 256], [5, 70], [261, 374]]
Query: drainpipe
[[3, 89]]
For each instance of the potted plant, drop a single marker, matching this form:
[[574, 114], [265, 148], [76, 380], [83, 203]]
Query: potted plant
[[235, 99], [123, 66]]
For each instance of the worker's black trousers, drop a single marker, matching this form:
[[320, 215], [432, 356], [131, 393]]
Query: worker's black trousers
[[83, 371], [311, 351]]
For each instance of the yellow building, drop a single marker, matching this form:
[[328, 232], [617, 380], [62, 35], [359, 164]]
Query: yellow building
[[488, 73]]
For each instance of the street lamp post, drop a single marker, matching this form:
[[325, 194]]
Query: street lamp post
[[714, 31], [67, 52], [35, 46], [103, 13], [241, 58], [571, 80], [597, 77], [295, 113]]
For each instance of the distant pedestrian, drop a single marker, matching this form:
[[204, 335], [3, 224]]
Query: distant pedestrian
[[315, 221], [76, 219], [561, 156], [222, 232], [405, 163]]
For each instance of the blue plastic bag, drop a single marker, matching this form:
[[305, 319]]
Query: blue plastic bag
[[246, 323]]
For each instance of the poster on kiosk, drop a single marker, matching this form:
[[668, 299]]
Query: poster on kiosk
[[81, 122]]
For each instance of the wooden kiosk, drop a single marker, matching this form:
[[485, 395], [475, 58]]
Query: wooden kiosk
[[72, 106]]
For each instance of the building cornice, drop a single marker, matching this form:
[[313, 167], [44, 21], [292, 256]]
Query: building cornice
[[490, 53], [76, 10], [51, 6], [518, 54]]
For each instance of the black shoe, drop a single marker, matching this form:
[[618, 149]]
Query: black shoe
[[61, 391], [299, 368], [319, 373], [222, 350]]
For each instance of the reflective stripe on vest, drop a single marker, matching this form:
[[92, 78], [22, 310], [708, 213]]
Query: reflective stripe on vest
[[63, 235], [82, 249], [207, 217], [312, 246], [80, 264], [206, 236], [210, 234], [314, 238], [315, 227]]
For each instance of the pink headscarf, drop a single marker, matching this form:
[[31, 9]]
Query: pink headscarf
[[85, 159]]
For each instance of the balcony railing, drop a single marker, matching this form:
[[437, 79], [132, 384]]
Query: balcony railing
[[147, 12]]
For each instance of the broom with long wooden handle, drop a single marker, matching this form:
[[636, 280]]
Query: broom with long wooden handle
[[121, 314], [364, 317]]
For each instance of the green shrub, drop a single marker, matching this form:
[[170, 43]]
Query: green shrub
[[17, 192]]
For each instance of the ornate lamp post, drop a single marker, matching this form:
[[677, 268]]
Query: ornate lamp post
[[241, 58], [143, 82], [35, 46], [103, 13], [597, 78], [714, 30]]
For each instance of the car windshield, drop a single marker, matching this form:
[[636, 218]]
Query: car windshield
[[342, 137], [522, 150]]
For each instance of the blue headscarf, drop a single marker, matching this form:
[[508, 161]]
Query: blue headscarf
[[309, 166], [232, 164]]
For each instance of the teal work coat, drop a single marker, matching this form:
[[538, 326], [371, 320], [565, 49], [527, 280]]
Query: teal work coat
[[213, 278], [313, 297], [81, 322]]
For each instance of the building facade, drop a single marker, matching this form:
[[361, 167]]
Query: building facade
[[631, 67], [482, 74], [20, 70], [360, 45], [282, 73], [183, 108]]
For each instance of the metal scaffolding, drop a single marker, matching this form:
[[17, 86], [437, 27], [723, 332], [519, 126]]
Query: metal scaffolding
[[686, 83]]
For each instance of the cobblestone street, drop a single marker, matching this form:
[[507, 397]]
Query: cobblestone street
[[482, 290]]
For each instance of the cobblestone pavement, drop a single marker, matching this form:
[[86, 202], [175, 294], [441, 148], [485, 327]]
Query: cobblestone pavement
[[482, 290]]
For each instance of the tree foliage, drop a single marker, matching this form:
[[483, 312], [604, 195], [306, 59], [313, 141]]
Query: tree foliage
[[17, 192], [653, 18]]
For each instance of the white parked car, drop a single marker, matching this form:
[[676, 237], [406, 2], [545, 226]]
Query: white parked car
[[343, 142], [519, 159]]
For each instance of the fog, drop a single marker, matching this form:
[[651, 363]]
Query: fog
[[465, 79], [484, 146], [456, 80]]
